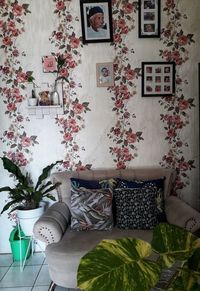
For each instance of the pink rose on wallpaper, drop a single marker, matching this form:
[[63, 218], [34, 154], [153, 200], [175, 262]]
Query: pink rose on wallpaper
[[75, 129], [179, 144], [67, 136], [17, 10], [11, 107], [26, 141], [74, 42], [15, 33], [60, 5], [170, 4], [59, 35], [183, 104], [121, 165], [6, 70], [127, 8], [21, 77], [167, 33], [2, 3], [131, 137], [7, 40], [182, 40], [171, 133], [121, 23], [10, 25], [78, 108], [64, 72], [119, 103], [125, 30], [117, 38], [22, 161], [130, 74], [10, 134], [183, 166], [69, 18], [126, 114], [15, 53]]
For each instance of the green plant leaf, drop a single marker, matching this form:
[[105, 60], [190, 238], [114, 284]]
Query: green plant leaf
[[172, 243], [45, 173], [14, 169], [194, 261], [118, 265], [185, 281]]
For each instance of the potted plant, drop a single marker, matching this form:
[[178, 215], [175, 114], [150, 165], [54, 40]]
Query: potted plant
[[170, 262], [33, 99], [25, 197]]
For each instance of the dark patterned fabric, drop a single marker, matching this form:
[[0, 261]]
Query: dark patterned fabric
[[91, 209], [94, 184], [156, 185], [135, 208]]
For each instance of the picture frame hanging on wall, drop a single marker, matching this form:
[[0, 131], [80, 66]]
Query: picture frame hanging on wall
[[105, 74], [49, 64], [158, 79], [96, 21], [149, 18]]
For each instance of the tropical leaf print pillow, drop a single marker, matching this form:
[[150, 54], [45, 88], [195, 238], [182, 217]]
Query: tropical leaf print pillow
[[94, 184], [91, 209]]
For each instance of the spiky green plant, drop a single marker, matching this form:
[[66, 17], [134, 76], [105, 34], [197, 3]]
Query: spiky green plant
[[25, 195]]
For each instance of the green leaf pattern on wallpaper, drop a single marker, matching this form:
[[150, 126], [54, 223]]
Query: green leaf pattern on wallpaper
[[178, 107], [13, 79], [123, 136], [68, 47]]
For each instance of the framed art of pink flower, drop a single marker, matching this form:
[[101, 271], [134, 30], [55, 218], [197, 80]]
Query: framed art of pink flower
[[49, 64]]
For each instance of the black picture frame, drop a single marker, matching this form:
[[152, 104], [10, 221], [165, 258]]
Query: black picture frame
[[88, 9], [149, 18], [158, 79]]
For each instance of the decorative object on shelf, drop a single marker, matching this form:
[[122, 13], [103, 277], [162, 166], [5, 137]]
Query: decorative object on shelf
[[44, 98], [33, 99], [134, 264], [149, 18], [25, 196], [158, 79], [96, 18], [104, 74], [49, 64], [54, 95]]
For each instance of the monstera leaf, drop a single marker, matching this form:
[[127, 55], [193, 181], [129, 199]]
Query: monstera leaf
[[173, 243], [118, 265]]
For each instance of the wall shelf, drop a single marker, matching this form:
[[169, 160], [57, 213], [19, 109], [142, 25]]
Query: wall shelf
[[40, 111]]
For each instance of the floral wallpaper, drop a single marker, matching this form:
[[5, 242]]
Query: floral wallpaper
[[17, 143], [133, 127], [123, 137], [176, 108]]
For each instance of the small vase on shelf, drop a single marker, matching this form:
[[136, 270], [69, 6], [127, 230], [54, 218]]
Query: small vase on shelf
[[55, 96], [33, 99]]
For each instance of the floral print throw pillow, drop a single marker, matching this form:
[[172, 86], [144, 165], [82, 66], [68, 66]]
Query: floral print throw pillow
[[91, 209]]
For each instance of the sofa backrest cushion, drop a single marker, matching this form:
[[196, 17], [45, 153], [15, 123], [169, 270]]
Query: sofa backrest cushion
[[147, 173]]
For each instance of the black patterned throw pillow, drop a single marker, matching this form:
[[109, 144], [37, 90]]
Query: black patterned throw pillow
[[91, 209], [135, 208], [156, 186]]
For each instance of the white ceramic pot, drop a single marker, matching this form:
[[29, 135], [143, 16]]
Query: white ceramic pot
[[32, 101], [27, 219]]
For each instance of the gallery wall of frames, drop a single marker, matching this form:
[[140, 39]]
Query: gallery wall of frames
[[115, 85]]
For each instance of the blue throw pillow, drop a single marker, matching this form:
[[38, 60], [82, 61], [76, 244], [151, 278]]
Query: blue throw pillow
[[94, 184], [156, 185]]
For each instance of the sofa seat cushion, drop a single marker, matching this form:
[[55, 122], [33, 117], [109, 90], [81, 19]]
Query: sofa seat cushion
[[63, 257]]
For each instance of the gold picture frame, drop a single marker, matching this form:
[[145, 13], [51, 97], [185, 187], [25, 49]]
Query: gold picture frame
[[105, 74]]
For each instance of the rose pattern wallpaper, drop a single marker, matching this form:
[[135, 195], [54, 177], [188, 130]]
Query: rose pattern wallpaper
[[125, 137]]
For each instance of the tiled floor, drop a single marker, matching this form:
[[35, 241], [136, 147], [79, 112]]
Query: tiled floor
[[34, 277]]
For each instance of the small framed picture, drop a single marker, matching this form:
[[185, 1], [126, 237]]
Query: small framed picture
[[149, 18], [96, 20], [105, 74], [49, 64], [158, 79]]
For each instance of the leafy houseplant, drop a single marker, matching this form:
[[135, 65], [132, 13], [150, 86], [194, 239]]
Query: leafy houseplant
[[25, 195], [130, 264]]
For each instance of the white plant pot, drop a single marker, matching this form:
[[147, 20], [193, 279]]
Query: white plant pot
[[32, 101], [27, 219]]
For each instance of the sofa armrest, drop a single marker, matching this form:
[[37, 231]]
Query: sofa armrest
[[51, 226], [182, 214]]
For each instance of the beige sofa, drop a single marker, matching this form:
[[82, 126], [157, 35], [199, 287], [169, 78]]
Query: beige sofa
[[65, 248]]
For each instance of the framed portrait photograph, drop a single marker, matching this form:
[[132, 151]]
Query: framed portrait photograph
[[149, 18], [49, 64], [96, 21], [105, 74], [158, 79]]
